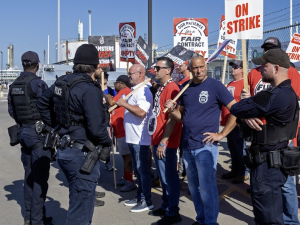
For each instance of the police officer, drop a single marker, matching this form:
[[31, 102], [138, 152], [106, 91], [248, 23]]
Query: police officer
[[78, 110], [279, 108], [22, 97]]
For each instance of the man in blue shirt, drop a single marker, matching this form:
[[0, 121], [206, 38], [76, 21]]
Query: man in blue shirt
[[199, 107]]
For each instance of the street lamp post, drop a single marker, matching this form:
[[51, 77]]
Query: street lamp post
[[1, 67]]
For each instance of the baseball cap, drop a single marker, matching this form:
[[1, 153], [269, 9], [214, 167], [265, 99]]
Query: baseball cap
[[86, 54], [29, 58], [106, 75], [238, 63], [273, 41], [124, 79], [274, 56]]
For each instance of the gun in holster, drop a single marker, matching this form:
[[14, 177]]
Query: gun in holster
[[13, 134], [52, 139], [253, 157], [94, 153]]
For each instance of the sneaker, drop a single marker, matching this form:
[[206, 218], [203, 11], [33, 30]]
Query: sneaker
[[158, 212], [168, 220], [229, 175], [240, 179], [121, 182], [99, 203], [131, 202], [141, 206], [99, 194], [128, 187]]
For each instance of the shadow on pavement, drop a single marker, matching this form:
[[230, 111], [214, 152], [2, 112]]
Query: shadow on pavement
[[52, 206]]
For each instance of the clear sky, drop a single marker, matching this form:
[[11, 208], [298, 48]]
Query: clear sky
[[27, 24]]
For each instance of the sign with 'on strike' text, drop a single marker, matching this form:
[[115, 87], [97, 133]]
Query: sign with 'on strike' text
[[244, 19]]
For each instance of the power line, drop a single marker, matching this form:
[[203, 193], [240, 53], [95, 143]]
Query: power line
[[280, 10], [282, 15]]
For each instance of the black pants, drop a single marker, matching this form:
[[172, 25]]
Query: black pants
[[266, 194], [36, 164]]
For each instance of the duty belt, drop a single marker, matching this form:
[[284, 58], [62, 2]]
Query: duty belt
[[66, 141]]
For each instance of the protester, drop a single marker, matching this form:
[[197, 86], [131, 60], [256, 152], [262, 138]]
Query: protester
[[257, 84], [36, 160], [183, 69], [78, 110], [122, 86], [236, 144], [166, 134], [200, 107], [278, 107], [138, 110]]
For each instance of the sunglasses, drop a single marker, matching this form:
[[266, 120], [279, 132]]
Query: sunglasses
[[235, 67], [158, 68]]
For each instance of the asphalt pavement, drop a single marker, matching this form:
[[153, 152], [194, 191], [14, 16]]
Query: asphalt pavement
[[235, 202]]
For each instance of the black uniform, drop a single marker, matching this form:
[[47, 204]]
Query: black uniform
[[22, 97], [82, 118], [279, 108]]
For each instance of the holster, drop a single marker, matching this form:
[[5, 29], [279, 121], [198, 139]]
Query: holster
[[290, 159], [51, 140], [254, 157], [13, 134]]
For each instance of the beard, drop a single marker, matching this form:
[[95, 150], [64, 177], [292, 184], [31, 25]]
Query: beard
[[267, 78]]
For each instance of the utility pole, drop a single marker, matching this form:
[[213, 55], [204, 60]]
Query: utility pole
[[90, 23], [291, 19], [58, 30], [150, 30], [67, 51], [44, 56]]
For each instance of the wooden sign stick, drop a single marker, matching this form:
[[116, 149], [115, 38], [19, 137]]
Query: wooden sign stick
[[224, 69], [102, 81], [131, 93], [245, 63], [179, 94]]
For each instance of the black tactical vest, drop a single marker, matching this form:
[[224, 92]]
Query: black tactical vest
[[61, 98], [272, 134], [24, 100]]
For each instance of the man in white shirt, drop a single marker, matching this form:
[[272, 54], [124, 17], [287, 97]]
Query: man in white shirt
[[138, 110]]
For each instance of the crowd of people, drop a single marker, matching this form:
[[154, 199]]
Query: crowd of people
[[75, 108]]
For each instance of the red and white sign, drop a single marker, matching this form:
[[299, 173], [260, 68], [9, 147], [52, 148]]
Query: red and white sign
[[230, 49], [294, 48], [192, 33], [244, 19], [127, 41]]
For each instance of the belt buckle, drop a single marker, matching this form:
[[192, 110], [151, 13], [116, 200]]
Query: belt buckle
[[72, 143]]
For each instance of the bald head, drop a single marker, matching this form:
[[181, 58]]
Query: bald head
[[137, 74]]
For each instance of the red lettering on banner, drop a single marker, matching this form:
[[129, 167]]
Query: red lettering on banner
[[294, 56], [230, 30], [126, 53], [257, 21], [251, 22], [202, 53], [244, 24], [106, 65], [295, 49], [105, 54], [241, 10], [141, 56], [296, 39]]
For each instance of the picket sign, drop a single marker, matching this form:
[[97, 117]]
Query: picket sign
[[224, 69], [131, 93], [293, 49]]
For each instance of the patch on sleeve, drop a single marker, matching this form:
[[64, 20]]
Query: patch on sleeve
[[262, 98]]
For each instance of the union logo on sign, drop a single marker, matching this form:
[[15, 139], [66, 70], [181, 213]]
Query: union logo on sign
[[182, 52], [101, 40]]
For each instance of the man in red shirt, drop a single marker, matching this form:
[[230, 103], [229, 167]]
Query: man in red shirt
[[184, 70], [122, 86], [289, 193], [236, 144], [165, 140]]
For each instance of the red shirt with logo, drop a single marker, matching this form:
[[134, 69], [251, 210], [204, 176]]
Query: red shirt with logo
[[117, 115], [257, 85], [169, 92], [235, 88]]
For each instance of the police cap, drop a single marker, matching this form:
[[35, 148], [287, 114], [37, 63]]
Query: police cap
[[274, 56], [29, 58]]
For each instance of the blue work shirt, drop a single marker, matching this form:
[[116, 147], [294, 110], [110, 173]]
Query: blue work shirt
[[276, 106], [202, 108], [86, 99], [38, 86], [110, 91]]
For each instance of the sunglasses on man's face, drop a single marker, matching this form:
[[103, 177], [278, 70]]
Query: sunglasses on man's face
[[158, 68], [271, 47], [235, 67]]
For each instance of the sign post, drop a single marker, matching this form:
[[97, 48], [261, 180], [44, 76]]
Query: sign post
[[244, 20], [127, 33]]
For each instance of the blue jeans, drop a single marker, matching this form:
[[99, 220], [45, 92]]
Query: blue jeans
[[36, 164], [82, 186], [140, 164], [167, 172], [236, 146], [201, 167]]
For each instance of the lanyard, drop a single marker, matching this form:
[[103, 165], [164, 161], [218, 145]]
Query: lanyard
[[156, 107]]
